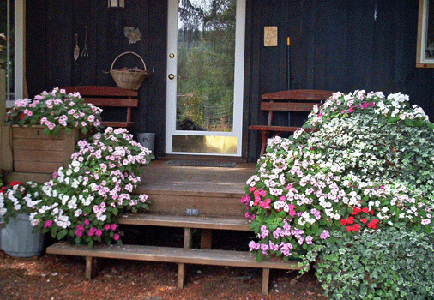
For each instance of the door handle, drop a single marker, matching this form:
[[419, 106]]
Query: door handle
[[171, 76]]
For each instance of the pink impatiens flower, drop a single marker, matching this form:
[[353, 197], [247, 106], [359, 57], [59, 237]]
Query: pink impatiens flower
[[48, 223]]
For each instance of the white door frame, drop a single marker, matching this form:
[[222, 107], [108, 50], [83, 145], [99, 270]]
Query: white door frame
[[171, 88]]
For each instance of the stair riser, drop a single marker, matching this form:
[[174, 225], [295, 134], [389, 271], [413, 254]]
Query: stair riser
[[204, 205]]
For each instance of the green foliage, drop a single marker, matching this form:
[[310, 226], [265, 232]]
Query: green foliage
[[359, 169], [386, 264]]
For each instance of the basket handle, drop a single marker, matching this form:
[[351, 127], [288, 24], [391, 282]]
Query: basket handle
[[128, 52]]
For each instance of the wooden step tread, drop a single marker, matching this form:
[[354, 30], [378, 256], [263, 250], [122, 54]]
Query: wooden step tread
[[235, 224], [212, 257]]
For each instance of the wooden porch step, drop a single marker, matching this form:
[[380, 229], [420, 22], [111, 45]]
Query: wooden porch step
[[235, 224], [180, 256]]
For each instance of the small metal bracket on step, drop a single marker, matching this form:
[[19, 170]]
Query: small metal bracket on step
[[192, 212]]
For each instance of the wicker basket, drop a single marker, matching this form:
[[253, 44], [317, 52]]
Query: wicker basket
[[129, 79]]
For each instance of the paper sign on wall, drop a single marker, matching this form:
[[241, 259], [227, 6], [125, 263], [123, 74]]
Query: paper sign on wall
[[270, 36]]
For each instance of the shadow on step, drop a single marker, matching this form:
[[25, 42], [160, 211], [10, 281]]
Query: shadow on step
[[174, 237]]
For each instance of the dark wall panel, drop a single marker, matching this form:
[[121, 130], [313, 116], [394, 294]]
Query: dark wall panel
[[51, 29], [338, 45], [341, 45]]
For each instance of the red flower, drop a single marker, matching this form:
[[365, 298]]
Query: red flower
[[350, 220], [356, 211], [364, 220], [14, 183], [349, 228], [373, 224], [365, 210], [343, 222], [355, 227]]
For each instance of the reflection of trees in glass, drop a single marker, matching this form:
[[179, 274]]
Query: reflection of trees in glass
[[206, 57], [4, 43]]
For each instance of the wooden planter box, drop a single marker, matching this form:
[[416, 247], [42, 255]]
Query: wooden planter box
[[33, 155], [36, 152]]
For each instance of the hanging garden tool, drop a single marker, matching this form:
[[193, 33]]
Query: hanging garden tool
[[76, 49], [84, 53]]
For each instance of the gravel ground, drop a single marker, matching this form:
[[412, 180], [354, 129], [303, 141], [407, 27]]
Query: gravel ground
[[62, 277]]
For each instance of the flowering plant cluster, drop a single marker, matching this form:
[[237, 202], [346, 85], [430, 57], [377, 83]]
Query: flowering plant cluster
[[84, 200], [367, 164], [56, 110], [18, 198]]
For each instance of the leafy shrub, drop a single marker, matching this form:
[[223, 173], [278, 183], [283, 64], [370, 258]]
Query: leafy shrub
[[383, 264], [368, 163]]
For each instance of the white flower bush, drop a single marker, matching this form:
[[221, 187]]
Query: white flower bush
[[367, 163], [84, 200], [17, 197]]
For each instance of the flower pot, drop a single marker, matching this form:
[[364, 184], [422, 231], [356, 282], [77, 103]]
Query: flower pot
[[147, 140], [19, 238], [37, 152]]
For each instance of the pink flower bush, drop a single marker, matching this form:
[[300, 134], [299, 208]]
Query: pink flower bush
[[85, 198], [56, 110]]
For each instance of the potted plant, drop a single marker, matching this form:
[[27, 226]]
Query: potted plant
[[19, 237], [84, 199], [46, 129]]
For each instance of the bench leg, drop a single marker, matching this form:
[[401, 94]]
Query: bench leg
[[181, 275], [92, 267], [265, 277], [206, 238], [264, 141]]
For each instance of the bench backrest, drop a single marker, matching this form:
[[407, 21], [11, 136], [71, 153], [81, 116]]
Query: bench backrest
[[292, 101], [108, 96]]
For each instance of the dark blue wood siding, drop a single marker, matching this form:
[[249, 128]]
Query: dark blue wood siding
[[338, 45]]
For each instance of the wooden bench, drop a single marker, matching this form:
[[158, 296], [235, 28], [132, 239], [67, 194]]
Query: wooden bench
[[181, 256], [286, 101], [107, 96]]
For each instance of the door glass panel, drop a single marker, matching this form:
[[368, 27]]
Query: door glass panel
[[206, 57]]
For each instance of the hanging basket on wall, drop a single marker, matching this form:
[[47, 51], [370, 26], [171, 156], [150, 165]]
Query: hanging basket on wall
[[129, 78]]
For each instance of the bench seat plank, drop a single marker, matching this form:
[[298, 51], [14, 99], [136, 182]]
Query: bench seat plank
[[214, 257], [274, 128], [113, 102], [118, 124], [288, 106], [239, 224]]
